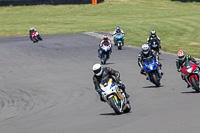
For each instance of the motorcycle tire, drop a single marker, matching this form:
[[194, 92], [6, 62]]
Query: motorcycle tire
[[128, 108], [156, 79], [114, 105], [119, 46], [195, 85], [104, 58]]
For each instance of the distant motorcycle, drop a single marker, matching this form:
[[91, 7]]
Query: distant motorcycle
[[114, 96], [191, 75], [152, 71], [154, 44], [36, 37], [104, 54], [119, 39]]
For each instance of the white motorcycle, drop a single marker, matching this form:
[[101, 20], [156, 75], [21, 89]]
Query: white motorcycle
[[115, 96], [104, 54]]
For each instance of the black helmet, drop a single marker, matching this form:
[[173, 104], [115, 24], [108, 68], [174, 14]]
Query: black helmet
[[153, 33]]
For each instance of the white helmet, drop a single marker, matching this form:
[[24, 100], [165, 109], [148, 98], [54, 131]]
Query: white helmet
[[97, 69], [32, 28], [145, 48]]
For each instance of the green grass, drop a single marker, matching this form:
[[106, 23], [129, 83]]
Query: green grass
[[176, 23]]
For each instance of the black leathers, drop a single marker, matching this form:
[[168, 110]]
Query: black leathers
[[142, 57], [106, 73]]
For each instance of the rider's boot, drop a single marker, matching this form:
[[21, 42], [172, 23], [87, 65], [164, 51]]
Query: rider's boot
[[127, 95], [101, 98], [160, 73], [188, 86]]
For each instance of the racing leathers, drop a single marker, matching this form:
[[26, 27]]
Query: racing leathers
[[108, 73], [118, 31], [151, 54], [106, 43], [32, 31], [154, 37], [179, 65]]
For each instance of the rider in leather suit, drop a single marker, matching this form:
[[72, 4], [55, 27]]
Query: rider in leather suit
[[180, 60], [34, 30], [147, 53], [104, 41], [153, 36], [101, 73]]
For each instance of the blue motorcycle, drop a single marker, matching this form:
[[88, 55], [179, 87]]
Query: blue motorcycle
[[119, 40], [104, 54], [152, 71]]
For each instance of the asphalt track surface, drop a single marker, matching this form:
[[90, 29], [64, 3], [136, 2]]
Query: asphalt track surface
[[47, 88]]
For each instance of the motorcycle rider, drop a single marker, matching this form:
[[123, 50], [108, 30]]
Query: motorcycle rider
[[118, 30], [179, 63], [148, 53], [32, 30], [153, 36], [101, 73], [107, 42]]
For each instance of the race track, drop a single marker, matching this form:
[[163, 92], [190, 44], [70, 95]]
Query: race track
[[47, 88]]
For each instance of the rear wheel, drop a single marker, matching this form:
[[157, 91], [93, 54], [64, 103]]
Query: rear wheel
[[114, 105], [194, 83]]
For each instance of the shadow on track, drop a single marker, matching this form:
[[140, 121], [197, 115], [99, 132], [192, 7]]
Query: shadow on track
[[107, 64], [153, 86], [114, 114], [190, 92]]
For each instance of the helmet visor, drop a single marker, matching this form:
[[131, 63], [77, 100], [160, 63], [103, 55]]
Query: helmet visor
[[97, 71], [145, 50], [181, 57]]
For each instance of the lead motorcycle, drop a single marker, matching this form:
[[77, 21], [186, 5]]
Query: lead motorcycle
[[191, 74], [104, 53], [114, 96], [35, 37], [151, 69]]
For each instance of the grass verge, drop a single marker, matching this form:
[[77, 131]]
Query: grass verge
[[176, 23]]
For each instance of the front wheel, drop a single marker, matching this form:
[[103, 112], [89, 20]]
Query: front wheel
[[194, 83], [128, 107], [114, 105], [156, 79], [119, 45]]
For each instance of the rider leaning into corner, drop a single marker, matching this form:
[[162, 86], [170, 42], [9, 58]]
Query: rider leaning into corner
[[101, 73], [105, 41], [34, 30], [180, 60], [148, 53], [118, 30]]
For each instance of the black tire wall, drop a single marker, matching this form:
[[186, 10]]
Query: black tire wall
[[46, 2], [187, 0]]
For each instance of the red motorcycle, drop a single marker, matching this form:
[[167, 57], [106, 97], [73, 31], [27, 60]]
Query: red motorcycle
[[191, 75], [34, 37]]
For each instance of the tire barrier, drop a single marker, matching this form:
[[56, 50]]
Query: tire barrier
[[187, 0], [46, 2]]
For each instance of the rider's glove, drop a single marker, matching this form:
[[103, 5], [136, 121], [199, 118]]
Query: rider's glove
[[99, 92], [179, 70]]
